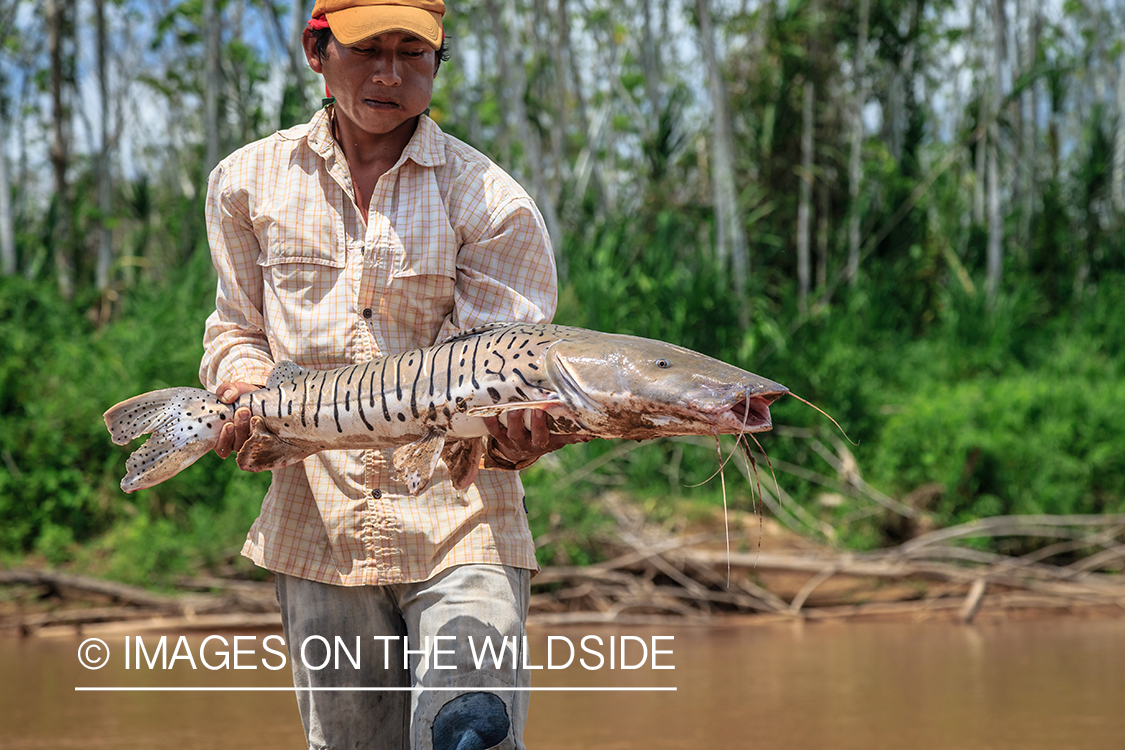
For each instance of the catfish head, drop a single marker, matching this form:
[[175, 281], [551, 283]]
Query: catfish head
[[637, 388]]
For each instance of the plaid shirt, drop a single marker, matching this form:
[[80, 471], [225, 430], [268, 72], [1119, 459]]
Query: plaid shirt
[[450, 242]]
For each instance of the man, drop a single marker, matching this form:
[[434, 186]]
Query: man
[[365, 233]]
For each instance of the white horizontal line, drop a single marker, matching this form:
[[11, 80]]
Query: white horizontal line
[[220, 689]]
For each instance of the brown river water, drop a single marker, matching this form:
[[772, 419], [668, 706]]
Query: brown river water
[[1051, 683]]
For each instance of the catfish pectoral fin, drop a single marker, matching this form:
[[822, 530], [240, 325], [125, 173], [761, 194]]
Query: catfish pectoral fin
[[498, 409], [264, 451], [462, 457], [416, 462]]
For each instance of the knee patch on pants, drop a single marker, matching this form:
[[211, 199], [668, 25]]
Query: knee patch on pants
[[473, 721]]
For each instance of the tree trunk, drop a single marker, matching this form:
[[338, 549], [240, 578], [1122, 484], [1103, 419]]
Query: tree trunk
[[237, 83], [59, 37], [650, 62], [104, 179], [995, 221], [499, 63], [982, 116], [901, 85], [1028, 128], [8, 260], [822, 233], [1119, 142], [855, 164], [562, 84], [730, 244], [294, 107], [591, 174], [512, 75], [212, 84], [297, 22], [544, 42], [805, 196], [476, 74]]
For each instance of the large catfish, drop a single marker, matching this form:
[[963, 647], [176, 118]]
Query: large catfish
[[429, 404]]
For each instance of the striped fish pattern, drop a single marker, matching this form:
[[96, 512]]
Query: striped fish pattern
[[429, 405]]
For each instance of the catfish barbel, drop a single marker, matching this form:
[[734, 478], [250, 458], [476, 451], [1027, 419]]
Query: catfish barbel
[[430, 404]]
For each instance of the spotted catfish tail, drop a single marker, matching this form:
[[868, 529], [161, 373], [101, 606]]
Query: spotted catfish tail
[[185, 425]]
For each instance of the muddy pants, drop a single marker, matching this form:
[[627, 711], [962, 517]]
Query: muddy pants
[[461, 635]]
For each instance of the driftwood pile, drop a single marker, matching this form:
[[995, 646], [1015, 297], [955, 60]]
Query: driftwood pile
[[657, 577], [48, 603]]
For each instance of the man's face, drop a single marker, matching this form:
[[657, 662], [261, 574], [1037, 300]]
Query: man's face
[[379, 83]]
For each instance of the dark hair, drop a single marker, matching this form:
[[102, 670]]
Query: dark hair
[[322, 37]]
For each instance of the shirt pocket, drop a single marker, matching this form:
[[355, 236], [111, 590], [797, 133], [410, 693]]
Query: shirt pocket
[[306, 282], [424, 275], [300, 266], [314, 242]]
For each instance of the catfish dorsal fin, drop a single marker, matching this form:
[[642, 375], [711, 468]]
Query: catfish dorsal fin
[[283, 373], [478, 330]]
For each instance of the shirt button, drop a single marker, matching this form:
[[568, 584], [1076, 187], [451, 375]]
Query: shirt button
[[376, 494], [367, 312]]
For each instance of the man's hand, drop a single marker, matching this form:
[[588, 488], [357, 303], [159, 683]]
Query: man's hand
[[521, 444], [234, 433]]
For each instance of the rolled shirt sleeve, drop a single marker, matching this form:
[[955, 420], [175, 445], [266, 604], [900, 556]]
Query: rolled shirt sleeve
[[506, 275], [236, 347]]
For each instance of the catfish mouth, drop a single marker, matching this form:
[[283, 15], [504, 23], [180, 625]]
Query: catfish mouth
[[750, 414]]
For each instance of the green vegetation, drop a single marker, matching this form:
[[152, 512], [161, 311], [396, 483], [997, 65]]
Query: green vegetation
[[1016, 413], [1014, 408], [59, 494]]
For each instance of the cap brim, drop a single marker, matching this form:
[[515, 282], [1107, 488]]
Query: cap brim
[[355, 24]]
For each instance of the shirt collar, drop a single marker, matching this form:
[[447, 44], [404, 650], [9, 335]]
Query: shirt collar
[[424, 148], [320, 133]]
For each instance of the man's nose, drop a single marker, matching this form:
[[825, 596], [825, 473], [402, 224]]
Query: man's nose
[[385, 70]]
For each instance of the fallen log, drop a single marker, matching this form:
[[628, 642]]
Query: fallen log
[[168, 624], [119, 592], [1029, 525], [880, 566]]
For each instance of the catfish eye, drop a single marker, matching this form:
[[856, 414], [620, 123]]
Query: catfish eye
[[662, 364]]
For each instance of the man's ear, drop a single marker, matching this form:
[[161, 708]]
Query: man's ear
[[312, 55]]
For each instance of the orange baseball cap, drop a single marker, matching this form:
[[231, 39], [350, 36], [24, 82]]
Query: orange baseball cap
[[353, 21]]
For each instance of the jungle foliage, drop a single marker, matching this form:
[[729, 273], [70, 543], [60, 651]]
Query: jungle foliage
[[928, 205]]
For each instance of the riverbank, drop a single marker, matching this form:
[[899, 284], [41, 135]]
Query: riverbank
[[757, 573]]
